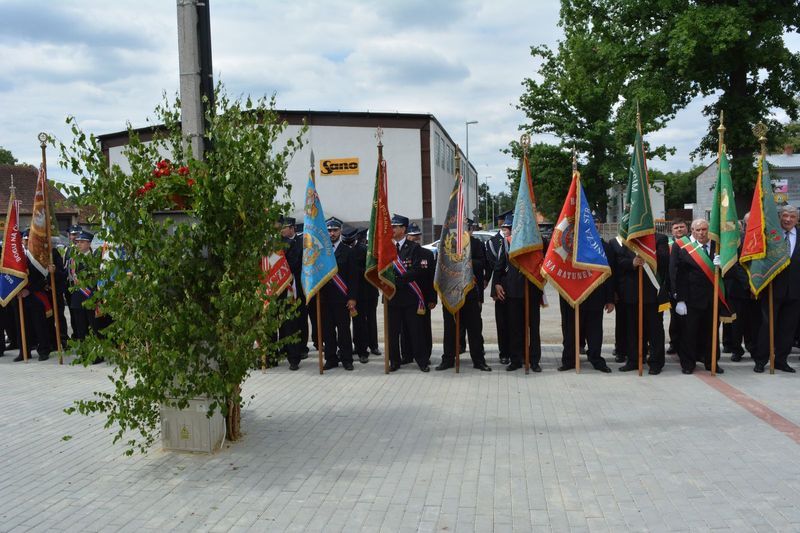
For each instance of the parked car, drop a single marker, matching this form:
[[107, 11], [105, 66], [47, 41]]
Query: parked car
[[481, 235]]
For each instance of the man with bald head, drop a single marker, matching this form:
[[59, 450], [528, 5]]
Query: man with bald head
[[695, 296], [786, 299]]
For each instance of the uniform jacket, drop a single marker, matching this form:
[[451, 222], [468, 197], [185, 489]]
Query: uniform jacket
[[513, 281], [348, 271], [628, 278], [494, 248], [479, 268], [409, 255], [427, 265]]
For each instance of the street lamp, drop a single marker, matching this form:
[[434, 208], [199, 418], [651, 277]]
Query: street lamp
[[486, 200], [466, 125]]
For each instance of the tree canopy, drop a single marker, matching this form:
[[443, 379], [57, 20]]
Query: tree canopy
[[6, 157]]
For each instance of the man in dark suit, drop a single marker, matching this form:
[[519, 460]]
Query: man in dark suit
[[510, 289], [786, 300], [427, 265], [470, 313], [748, 316], [495, 247], [408, 302], [679, 229], [695, 295], [627, 264], [294, 258], [79, 292], [591, 326], [361, 320], [368, 301], [338, 301]]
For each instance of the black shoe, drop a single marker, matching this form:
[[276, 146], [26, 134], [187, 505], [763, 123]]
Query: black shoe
[[736, 357], [483, 367], [536, 368], [363, 359], [671, 350], [603, 368], [504, 360], [785, 368], [564, 368], [654, 371], [444, 366], [513, 366], [720, 370], [425, 368], [687, 371], [759, 368], [375, 351], [330, 364], [620, 358], [44, 357], [348, 366], [303, 355], [19, 358], [393, 367], [294, 366], [627, 368]]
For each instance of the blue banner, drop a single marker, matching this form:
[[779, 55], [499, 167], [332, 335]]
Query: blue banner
[[588, 251], [10, 285], [319, 263]]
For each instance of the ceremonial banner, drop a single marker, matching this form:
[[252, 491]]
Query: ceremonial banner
[[14, 263], [723, 228], [381, 251], [764, 253], [526, 249], [576, 262], [319, 263], [454, 278], [277, 274], [39, 251], [636, 228]]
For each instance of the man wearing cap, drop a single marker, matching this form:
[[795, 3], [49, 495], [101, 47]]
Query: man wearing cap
[[294, 258], [427, 264], [495, 247], [469, 314], [71, 250], [338, 302], [79, 292], [361, 320], [510, 288], [408, 303], [368, 298]]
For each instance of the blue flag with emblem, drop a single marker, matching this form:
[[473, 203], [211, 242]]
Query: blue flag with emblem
[[319, 262], [588, 251]]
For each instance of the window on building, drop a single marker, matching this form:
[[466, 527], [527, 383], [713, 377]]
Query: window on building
[[438, 149]]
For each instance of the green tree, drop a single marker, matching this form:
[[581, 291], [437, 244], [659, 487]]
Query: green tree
[[189, 318], [679, 186], [6, 157], [586, 94], [551, 171]]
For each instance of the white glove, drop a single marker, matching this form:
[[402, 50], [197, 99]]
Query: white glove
[[681, 308], [717, 260]]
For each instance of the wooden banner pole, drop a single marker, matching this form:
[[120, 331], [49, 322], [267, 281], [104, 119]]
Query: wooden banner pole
[[715, 323], [526, 328], [23, 338], [321, 350], [577, 338], [771, 333], [385, 335], [641, 322]]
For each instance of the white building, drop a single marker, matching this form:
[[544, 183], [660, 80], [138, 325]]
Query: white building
[[418, 151], [616, 201]]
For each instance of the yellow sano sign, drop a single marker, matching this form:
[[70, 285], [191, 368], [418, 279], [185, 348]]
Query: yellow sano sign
[[331, 167]]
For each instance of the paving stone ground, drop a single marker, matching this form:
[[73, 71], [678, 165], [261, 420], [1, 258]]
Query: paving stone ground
[[363, 451]]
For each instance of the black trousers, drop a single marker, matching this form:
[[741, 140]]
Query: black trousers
[[515, 318], [336, 332], [591, 329], [312, 316], [620, 325], [469, 322], [699, 324], [400, 316], [38, 327], [371, 312], [745, 327], [653, 335], [426, 335], [286, 329], [302, 324], [502, 328], [674, 326], [82, 322], [361, 329], [786, 314]]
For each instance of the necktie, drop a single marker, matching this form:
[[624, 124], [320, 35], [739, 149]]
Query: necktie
[[788, 242], [705, 249], [397, 245]]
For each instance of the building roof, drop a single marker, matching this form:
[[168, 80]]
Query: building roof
[[784, 160], [25, 177]]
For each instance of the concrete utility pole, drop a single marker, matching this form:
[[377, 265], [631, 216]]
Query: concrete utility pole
[[194, 64]]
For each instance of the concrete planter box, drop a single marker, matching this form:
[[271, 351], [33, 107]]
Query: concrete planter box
[[190, 430]]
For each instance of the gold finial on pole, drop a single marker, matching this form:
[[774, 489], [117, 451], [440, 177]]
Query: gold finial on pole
[[638, 118], [12, 188], [525, 143], [760, 131], [721, 131], [457, 159], [43, 138], [574, 159], [379, 135]]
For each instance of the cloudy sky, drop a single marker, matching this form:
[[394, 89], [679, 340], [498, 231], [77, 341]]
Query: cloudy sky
[[109, 62]]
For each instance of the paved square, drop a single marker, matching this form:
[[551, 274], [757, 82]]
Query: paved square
[[362, 451]]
